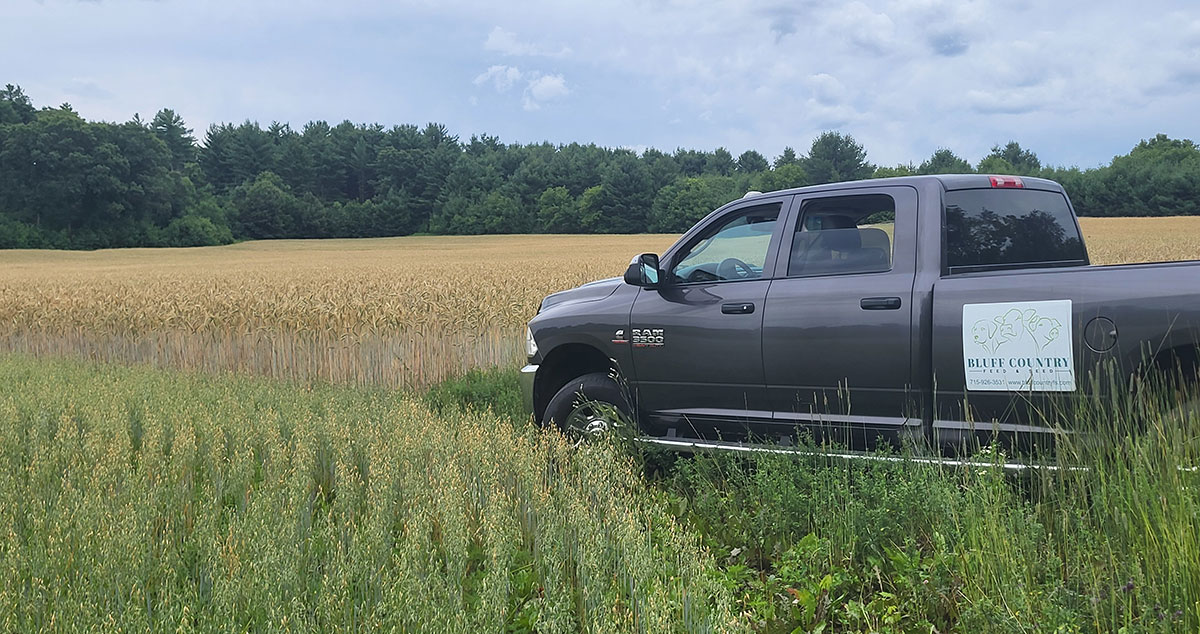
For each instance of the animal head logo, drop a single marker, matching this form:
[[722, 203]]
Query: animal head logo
[[983, 332], [1015, 324]]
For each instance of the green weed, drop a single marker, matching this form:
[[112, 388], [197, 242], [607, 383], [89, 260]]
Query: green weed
[[1105, 540], [494, 389]]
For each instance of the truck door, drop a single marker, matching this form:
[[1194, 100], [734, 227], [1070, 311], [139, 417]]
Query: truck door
[[838, 325], [1009, 321], [697, 338]]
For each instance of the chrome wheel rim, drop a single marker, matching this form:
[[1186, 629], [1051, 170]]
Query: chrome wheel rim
[[593, 421]]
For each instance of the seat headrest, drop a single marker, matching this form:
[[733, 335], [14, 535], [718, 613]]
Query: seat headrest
[[837, 222], [840, 239]]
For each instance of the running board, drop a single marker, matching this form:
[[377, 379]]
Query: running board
[[693, 446]]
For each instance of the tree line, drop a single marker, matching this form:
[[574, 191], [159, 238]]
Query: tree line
[[70, 183]]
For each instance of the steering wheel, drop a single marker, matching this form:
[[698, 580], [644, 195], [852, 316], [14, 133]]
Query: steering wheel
[[734, 269]]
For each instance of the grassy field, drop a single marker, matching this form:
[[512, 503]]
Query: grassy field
[[402, 312], [148, 500], [140, 500], [302, 493]]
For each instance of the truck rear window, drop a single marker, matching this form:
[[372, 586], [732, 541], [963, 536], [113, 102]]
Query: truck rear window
[[1008, 228]]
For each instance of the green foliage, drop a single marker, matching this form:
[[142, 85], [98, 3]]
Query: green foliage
[[557, 211], [491, 213], [787, 157], [691, 162], [1160, 177], [1105, 540], [494, 390], [626, 194], [15, 106], [134, 500], [720, 163], [171, 130], [662, 167], [785, 176], [678, 206], [18, 235], [266, 208], [196, 231], [239, 504], [996, 165], [501, 214], [944, 161], [591, 210], [836, 157], [1010, 159], [751, 162], [70, 183], [902, 169]]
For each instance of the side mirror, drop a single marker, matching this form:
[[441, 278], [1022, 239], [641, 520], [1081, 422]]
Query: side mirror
[[643, 271]]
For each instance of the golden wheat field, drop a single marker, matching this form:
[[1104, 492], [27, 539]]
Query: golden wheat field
[[393, 311]]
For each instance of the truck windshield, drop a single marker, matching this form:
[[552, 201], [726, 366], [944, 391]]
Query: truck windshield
[[1009, 228]]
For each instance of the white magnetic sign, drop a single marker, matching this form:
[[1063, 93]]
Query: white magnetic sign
[[1018, 346]]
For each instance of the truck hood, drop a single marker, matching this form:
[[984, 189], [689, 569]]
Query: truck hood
[[589, 292]]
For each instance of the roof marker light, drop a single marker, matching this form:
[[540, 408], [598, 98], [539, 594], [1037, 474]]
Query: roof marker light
[[1007, 181]]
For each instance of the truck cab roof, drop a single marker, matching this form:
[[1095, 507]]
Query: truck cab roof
[[949, 182]]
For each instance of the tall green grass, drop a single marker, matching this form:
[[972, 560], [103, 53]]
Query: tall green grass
[[1107, 539], [137, 500]]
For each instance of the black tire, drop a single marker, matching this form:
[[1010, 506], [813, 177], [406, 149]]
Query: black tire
[[590, 406]]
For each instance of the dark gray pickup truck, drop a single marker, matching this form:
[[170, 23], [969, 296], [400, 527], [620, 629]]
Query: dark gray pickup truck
[[934, 306]]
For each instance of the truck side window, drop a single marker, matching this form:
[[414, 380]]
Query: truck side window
[[734, 249], [846, 234], [1004, 228]]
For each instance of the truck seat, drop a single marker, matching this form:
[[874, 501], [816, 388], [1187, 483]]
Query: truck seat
[[839, 251]]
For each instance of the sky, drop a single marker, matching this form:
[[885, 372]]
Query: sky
[[1076, 82]]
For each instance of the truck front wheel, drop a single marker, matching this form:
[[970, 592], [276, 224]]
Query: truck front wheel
[[590, 407]]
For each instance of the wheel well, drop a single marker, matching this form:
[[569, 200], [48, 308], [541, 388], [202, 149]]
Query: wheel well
[[561, 365]]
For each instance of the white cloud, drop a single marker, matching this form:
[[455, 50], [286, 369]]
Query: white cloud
[[826, 89], [544, 88], [500, 76], [539, 87], [507, 42], [548, 87], [869, 30]]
